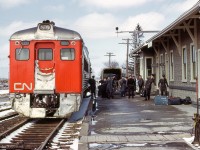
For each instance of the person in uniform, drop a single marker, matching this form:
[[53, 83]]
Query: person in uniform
[[109, 88], [140, 83], [131, 84], [122, 84], [150, 80], [92, 83], [162, 84]]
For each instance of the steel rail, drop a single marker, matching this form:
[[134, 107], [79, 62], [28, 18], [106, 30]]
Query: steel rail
[[8, 116], [4, 134], [5, 109], [42, 146]]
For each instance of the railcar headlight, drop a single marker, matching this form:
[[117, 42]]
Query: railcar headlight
[[25, 43], [64, 43]]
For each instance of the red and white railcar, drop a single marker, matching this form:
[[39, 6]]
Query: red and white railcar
[[49, 70]]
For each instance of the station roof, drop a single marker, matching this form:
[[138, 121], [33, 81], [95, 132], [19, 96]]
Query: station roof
[[186, 15]]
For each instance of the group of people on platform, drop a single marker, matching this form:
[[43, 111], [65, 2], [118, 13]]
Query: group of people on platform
[[107, 87], [127, 86]]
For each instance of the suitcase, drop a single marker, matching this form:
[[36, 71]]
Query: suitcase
[[160, 100]]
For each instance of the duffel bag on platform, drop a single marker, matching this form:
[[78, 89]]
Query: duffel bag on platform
[[175, 101]]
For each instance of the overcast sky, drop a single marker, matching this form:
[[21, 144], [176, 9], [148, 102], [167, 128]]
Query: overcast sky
[[95, 20]]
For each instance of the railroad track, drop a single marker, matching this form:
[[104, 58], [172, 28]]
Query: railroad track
[[41, 134], [8, 116], [5, 109]]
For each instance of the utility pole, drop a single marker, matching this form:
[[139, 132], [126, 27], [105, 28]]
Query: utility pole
[[109, 54], [136, 35], [127, 53]]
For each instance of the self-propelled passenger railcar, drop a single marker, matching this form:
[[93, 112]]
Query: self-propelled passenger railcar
[[49, 69]]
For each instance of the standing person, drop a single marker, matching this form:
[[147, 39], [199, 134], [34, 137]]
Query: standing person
[[131, 83], [92, 83], [114, 84], [122, 84], [109, 88], [104, 86], [162, 84], [148, 83], [140, 83]]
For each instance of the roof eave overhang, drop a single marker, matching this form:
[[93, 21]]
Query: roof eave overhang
[[180, 19], [186, 15]]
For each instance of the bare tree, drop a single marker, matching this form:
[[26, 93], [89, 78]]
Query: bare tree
[[113, 64]]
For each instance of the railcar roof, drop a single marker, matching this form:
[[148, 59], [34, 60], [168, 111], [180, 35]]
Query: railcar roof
[[56, 34]]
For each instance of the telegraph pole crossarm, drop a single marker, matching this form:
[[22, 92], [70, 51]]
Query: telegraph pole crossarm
[[109, 54]]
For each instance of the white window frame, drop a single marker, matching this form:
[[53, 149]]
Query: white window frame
[[166, 66], [184, 64], [161, 67], [193, 59], [145, 77], [171, 63], [198, 70]]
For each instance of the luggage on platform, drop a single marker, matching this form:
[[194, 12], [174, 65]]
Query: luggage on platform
[[179, 101], [161, 100], [175, 101], [186, 101]]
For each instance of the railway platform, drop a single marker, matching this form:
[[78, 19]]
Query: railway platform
[[127, 124]]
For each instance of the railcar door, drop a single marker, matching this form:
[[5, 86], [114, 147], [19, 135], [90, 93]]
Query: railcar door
[[44, 68]]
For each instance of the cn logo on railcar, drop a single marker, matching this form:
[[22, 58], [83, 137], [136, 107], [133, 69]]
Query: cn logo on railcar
[[22, 86]]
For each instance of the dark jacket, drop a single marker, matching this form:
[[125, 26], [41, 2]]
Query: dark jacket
[[92, 83], [141, 82], [163, 84], [148, 83], [131, 83], [122, 83]]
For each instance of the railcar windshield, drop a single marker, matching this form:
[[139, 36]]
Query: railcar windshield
[[22, 54], [67, 54], [45, 54]]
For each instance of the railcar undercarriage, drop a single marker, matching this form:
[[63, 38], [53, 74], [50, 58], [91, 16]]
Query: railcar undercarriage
[[48, 101], [46, 105]]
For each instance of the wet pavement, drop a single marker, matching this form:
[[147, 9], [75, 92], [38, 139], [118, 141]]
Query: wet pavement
[[127, 124]]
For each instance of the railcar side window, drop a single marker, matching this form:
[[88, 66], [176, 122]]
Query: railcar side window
[[22, 54], [45, 54], [67, 54]]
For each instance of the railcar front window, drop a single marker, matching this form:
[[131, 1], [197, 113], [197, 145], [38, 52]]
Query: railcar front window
[[22, 54], [45, 54], [67, 54]]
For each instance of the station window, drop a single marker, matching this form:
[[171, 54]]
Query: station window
[[162, 69], [193, 62], [45, 54], [184, 64], [67, 54], [171, 65], [22, 54]]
